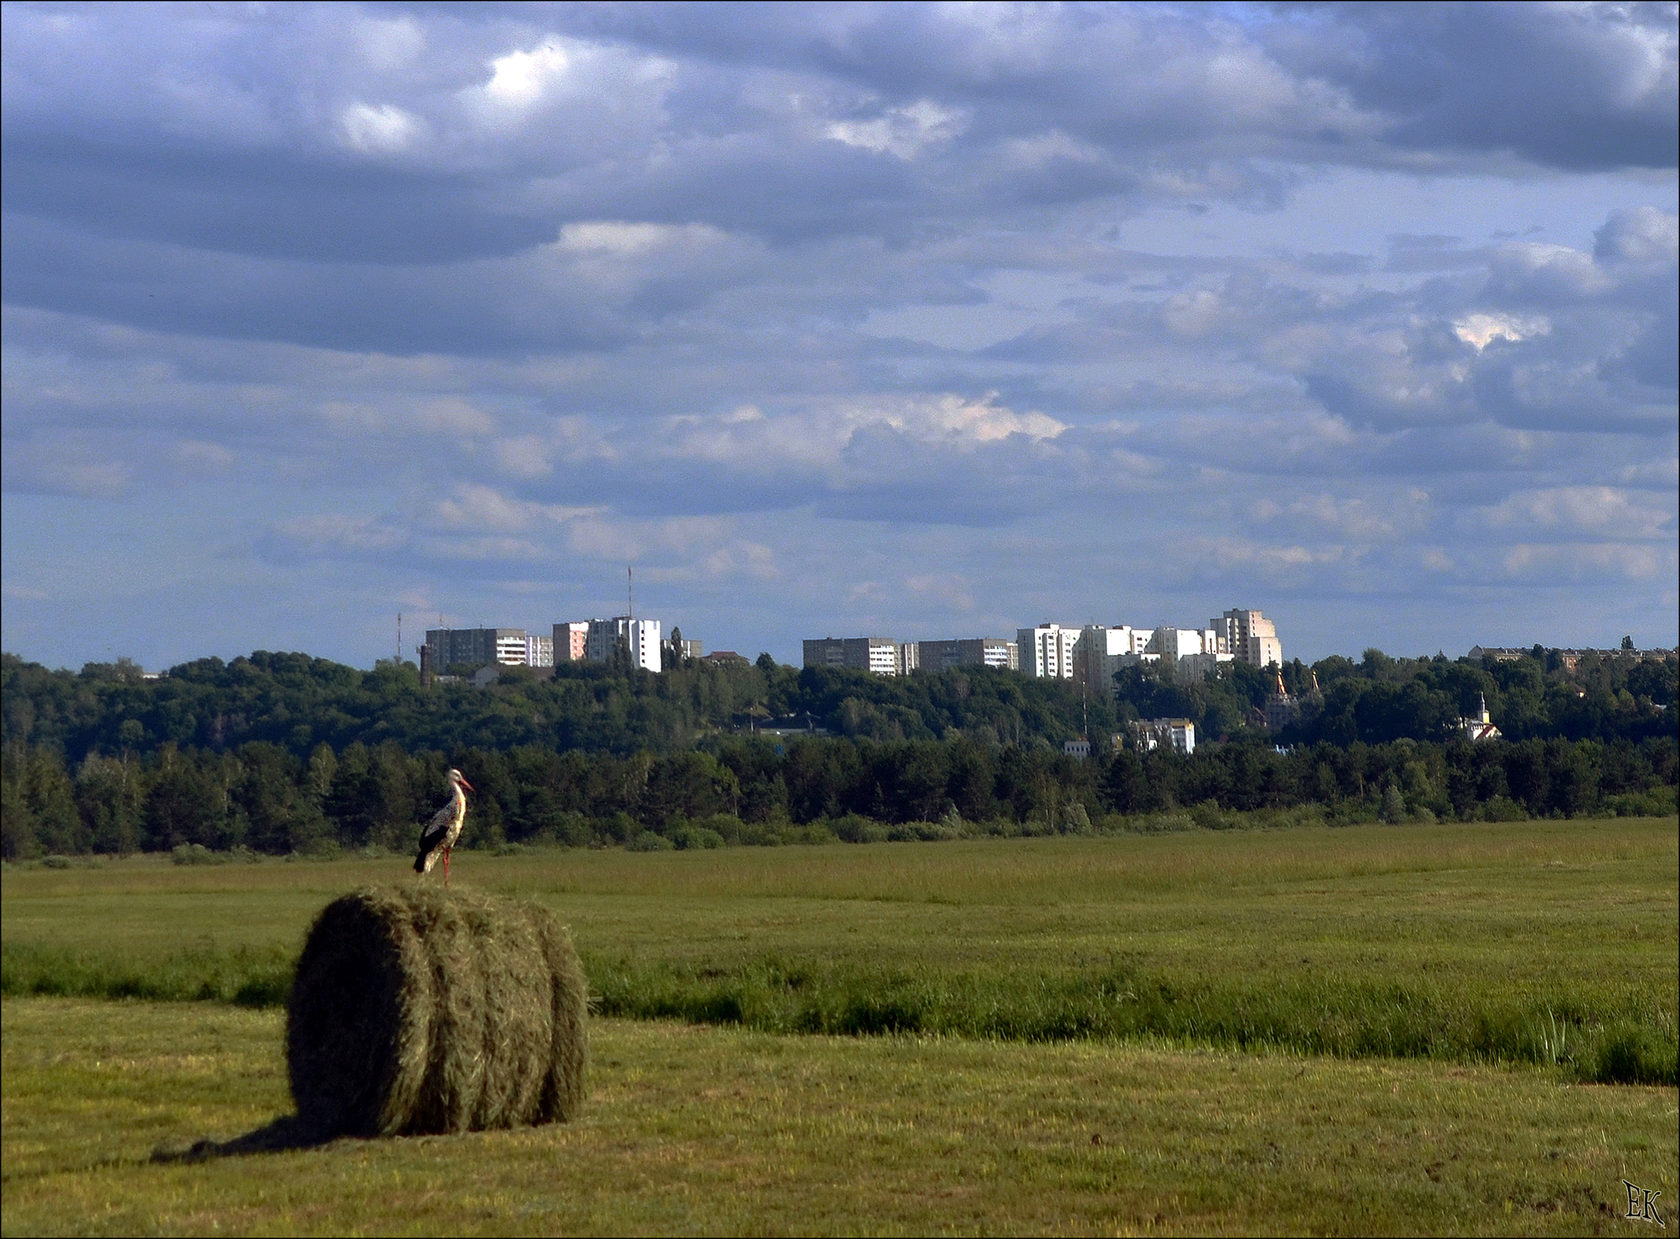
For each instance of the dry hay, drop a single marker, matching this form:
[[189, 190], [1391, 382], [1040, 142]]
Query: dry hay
[[423, 1010]]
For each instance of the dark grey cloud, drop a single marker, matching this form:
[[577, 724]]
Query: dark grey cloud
[[1566, 86]]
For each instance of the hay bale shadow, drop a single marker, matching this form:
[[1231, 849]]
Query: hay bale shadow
[[284, 1134]]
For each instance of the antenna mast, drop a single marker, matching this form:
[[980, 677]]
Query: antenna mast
[[630, 586]]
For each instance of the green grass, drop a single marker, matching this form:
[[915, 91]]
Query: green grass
[[1368, 1030], [695, 1130], [1535, 942]]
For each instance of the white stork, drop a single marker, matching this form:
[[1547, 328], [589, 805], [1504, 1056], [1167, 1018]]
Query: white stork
[[440, 834]]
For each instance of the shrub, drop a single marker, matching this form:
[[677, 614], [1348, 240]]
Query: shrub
[[688, 838]]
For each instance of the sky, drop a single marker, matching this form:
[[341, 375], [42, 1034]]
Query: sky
[[916, 321]]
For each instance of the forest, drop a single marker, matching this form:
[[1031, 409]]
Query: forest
[[282, 753]]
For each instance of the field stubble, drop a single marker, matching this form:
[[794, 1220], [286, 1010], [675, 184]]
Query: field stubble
[[1540, 942], [693, 1130], [1231, 1032]]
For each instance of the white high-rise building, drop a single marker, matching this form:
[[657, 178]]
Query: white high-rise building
[[1101, 650], [1171, 644], [641, 638], [1249, 637], [1188, 653], [1047, 652]]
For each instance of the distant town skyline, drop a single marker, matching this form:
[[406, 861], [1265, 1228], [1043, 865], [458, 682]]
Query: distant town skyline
[[919, 321]]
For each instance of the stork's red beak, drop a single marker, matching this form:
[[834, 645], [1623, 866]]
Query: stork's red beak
[[467, 785]]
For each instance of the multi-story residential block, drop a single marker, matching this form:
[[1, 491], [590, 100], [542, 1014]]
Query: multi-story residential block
[[571, 641], [1249, 637], [880, 655], [1100, 649], [639, 637], [1169, 644], [968, 652], [478, 646], [1201, 666], [1191, 653], [539, 651], [1047, 651]]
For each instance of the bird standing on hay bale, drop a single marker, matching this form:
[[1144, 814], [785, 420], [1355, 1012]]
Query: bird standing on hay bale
[[440, 834]]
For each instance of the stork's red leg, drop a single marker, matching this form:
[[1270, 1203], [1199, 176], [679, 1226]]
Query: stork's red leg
[[446, 852]]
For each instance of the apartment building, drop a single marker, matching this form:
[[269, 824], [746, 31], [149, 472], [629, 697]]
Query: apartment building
[[639, 637], [571, 641], [1047, 651], [1100, 648], [968, 652], [477, 646], [1249, 637], [880, 655]]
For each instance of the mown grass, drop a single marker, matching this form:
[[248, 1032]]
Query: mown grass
[[692, 1130], [1538, 942]]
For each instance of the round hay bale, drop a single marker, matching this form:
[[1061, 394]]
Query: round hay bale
[[421, 1010]]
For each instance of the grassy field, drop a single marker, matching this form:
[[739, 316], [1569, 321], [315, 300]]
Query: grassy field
[[1540, 942], [1372, 1029], [695, 1130]]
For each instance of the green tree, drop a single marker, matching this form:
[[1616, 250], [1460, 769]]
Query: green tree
[[52, 804], [111, 800]]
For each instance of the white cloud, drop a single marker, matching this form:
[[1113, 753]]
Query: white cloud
[[627, 238], [382, 129], [955, 419], [1575, 510], [903, 132], [1532, 269], [1586, 561], [1479, 330], [477, 507], [519, 79]]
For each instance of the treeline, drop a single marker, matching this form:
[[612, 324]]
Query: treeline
[[282, 753], [760, 790], [298, 703]]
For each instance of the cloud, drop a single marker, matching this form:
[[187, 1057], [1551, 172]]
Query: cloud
[[1642, 235], [902, 132], [1585, 510], [379, 129], [477, 507], [1479, 330], [827, 314]]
